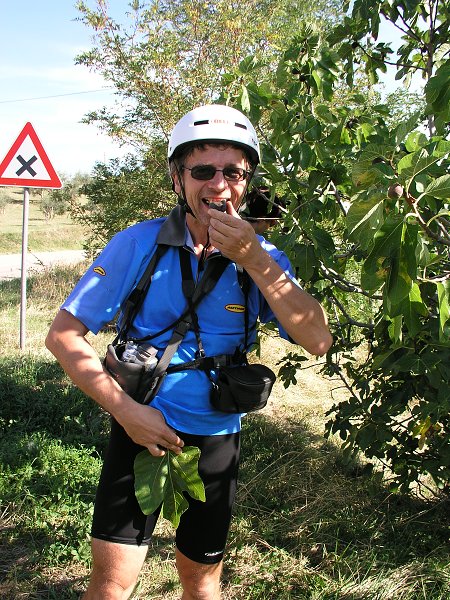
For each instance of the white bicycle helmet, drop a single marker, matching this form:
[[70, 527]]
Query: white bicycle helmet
[[214, 123]]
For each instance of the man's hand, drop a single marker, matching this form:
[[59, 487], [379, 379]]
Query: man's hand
[[234, 237], [147, 427]]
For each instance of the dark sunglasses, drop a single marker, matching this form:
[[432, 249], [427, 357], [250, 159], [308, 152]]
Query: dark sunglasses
[[206, 172]]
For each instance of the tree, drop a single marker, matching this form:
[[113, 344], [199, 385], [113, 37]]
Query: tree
[[57, 202], [171, 55], [163, 58], [117, 195], [368, 218]]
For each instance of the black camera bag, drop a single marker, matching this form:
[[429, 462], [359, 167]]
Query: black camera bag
[[242, 389]]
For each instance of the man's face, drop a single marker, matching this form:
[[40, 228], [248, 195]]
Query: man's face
[[200, 193]]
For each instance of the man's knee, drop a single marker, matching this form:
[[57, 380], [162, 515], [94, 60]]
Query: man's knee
[[115, 571], [199, 581]]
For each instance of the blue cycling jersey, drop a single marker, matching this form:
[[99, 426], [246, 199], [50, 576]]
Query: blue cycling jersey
[[183, 397]]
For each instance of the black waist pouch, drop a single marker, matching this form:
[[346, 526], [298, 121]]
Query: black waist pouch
[[135, 379], [242, 389]]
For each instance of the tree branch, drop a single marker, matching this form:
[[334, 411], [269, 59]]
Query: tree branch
[[350, 320], [345, 285], [442, 239]]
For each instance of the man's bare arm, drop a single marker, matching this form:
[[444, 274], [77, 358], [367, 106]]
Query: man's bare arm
[[298, 312], [146, 426]]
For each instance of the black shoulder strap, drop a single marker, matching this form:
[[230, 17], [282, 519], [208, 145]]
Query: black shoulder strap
[[134, 301], [244, 283], [214, 269]]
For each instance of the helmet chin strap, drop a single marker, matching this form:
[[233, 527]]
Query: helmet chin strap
[[182, 201]]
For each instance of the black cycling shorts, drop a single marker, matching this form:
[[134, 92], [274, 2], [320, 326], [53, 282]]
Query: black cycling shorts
[[203, 529]]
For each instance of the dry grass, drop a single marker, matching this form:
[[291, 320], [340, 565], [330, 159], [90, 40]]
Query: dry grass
[[60, 233]]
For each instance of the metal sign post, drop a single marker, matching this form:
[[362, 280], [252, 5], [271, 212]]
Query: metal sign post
[[23, 270]]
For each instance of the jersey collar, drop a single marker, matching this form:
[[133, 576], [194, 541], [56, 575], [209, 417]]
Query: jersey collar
[[173, 230]]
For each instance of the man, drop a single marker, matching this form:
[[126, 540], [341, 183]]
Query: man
[[213, 151], [259, 210]]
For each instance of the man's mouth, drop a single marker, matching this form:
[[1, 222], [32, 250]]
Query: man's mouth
[[219, 204]]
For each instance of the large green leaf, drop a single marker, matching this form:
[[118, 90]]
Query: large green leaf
[[364, 218], [403, 265], [150, 480], [163, 479], [386, 245], [437, 91], [306, 260], [413, 164], [175, 504], [443, 290], [411, 308], [439, 188], [185, 467]]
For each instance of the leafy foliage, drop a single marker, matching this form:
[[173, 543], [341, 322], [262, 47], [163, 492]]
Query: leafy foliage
[[118, 196], [163, 479], [363, 192], [165, 57]]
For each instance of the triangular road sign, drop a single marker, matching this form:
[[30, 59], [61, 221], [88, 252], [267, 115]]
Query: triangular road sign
[[27, 164]]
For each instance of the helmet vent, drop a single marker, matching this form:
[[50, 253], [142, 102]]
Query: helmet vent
[[241, 125], [204, 122]]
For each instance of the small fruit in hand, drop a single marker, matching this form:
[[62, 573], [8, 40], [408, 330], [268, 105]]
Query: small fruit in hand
[[395, 191]]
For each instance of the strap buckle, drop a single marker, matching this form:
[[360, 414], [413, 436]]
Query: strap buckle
[[221, 360], [182, 327]]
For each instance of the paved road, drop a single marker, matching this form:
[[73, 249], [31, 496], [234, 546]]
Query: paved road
[[10, 264]]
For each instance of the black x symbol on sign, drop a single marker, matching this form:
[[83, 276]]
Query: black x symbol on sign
[[26, 166]]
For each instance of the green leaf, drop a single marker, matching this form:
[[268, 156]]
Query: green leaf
[[175, 504], [163, 479], [413, 164], [403, 265], [306, 261], [386, 243], [443, 290], [185, 466], [364, 218], [372, 165], [439, 188], [305, 155], [395, 329], [437, 91], [150, 480], [415, 141]]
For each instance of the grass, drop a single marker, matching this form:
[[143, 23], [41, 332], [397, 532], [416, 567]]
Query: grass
[[57, 234], [306, 525]]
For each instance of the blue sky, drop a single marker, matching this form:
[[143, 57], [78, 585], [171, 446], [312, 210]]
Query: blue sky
[[39, 40]]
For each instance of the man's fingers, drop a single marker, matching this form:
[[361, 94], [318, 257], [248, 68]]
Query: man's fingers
[[156, 450], [232, 211], [159, 450]]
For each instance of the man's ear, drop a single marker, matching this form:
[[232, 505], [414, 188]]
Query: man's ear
[[176, 187]]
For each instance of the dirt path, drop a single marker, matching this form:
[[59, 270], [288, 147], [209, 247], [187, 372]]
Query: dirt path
[[10, 264]]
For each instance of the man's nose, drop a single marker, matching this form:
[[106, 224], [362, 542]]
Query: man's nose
[[218, 181]]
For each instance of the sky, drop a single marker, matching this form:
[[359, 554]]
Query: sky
[[39, 40], [40, 83]]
